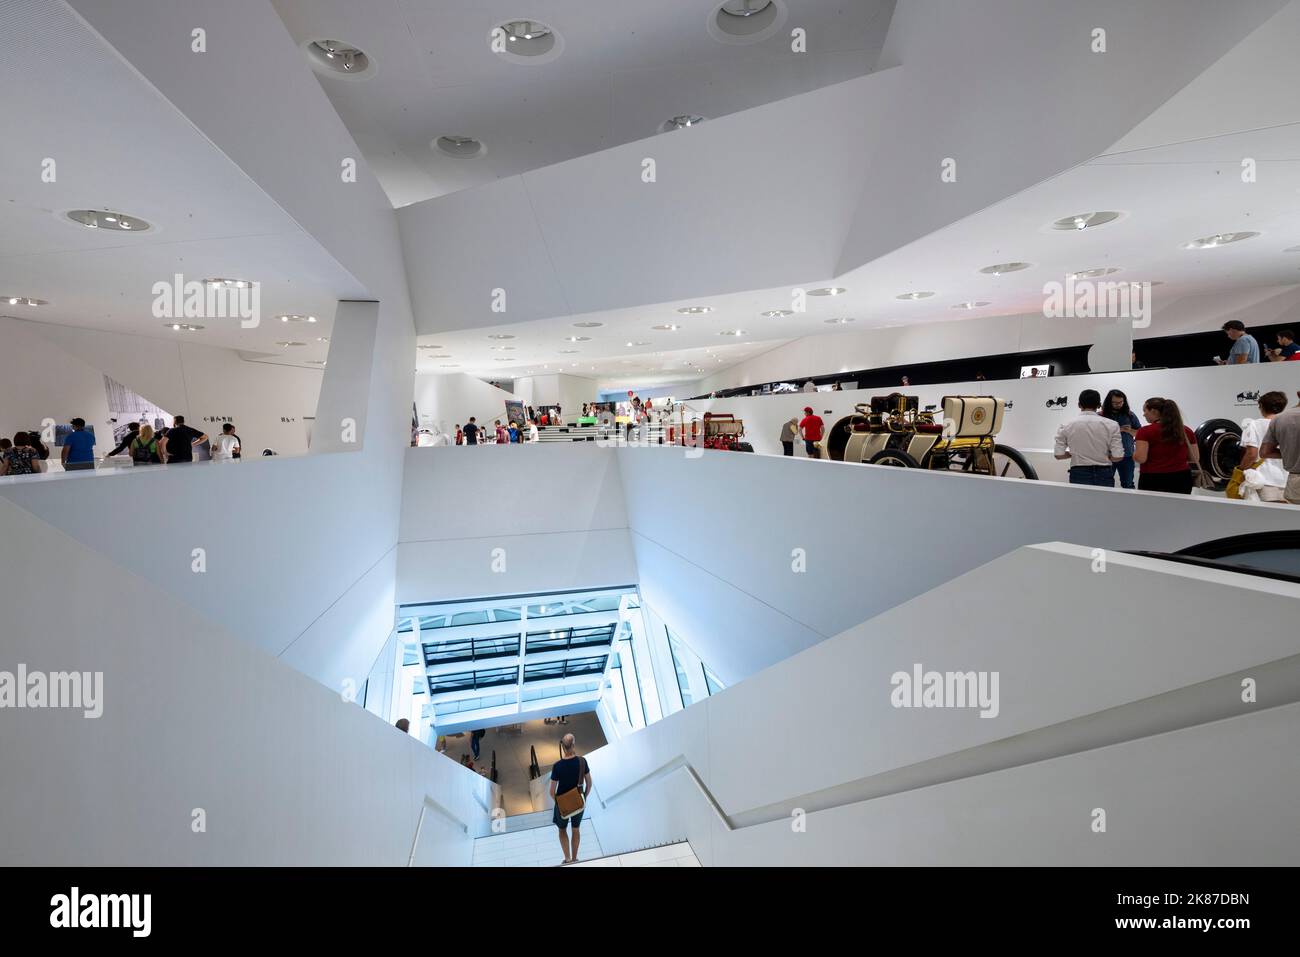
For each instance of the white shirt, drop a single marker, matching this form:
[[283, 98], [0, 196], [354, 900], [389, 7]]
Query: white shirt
[[1270, 470], [1091, 438], [225, 446], [532, 433]]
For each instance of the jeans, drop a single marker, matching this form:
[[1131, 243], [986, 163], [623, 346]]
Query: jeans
[[1125, 472], [810, 448], [1102, 475], [788, 448]]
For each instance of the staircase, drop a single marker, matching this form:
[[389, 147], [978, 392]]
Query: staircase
[[529, 840]]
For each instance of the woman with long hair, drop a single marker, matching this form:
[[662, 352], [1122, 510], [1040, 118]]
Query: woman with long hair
[[1165, 448], [144, 447], [1116, 407]]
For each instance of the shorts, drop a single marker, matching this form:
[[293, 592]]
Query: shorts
[[561, 823]]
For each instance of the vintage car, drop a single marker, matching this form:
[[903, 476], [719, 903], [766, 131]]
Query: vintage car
[[715, 430], [958, 437]]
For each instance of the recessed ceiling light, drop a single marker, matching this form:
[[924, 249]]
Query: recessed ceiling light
[[296, 318], [588, 325], [746, 21], [182, 326], [671, 327], [501, 348], [915, 295], [979, 304], [289, 342], [680, 122], [1093, 273], [778, 313], [732, 332], [569, 352], [1000, 268], [24, 301], [506, 359], [828, 291], [106, 219], [429, 347], [635, 344], [525, 39], [338, 58], [837, 322], [695, 310], [577, 338], [229, 283], [459, 147], [317, 362], [1086, 220], [322, 338], [500, 335], [1219, 239]]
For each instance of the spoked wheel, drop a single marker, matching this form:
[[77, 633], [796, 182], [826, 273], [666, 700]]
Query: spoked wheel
[[1007, 463], [1220, 443], [894, 457]]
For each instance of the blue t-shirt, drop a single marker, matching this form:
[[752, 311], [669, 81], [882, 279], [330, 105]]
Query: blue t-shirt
[[1247, 346], [80, 445]]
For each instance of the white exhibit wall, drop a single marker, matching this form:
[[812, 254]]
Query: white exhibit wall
[[444, 401], [515, 519], [1117, 711], [1211, 392], [39, 381], [270, 404], [198, 723], [721, 539]]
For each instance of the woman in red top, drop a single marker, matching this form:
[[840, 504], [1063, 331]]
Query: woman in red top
[[1165, 448]]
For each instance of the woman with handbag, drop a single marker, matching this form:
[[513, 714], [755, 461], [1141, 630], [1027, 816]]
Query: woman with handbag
[[1165, 448], [570, 786]]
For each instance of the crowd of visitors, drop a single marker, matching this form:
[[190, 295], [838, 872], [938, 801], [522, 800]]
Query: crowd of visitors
[[28, 454]]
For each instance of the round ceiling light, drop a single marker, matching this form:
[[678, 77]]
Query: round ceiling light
[[296, 318], [502, 348], [979, 304], [182, 326], [229, 283], [695, 310], [915, 295], [746, 21], [500, 335], [1086, 220], [671, 327], [568, 352], [24, 301], [778, 313], [1093, 273], [632, 345], [577, 338], [732, 332], [108, 219], [317, 362], [837, 322], [1218, 239], [588, 325], [999, 269], [681, 121], [828, 291], [338, 58], [286, 343], [322, 338], [459, 147], [526, 41]]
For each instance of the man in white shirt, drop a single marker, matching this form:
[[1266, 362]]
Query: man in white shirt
[[532, 431], [228, 446], [1091, 442]]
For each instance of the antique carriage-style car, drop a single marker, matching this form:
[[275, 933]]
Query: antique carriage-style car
[[959, 436]]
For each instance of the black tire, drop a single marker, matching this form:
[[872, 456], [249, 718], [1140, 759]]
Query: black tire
[[895, 457], [1018, 460], [744, 447], [1220, 443]]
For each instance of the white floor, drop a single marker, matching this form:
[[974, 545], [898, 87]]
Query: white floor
[[540, 847]]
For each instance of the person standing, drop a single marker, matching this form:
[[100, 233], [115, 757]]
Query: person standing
[[132, 430], [1091, 442], [570, 772], [533, 434], [1244, 347], [1286, 347], [476, 742], [1165, 448], [144, 448], [1270, 471], [811, 426], [178, 445], [1281, 441], [460, 436], [1117, 409], [789, 432], [228, 445], [78, 448], [20, 458], [471, 431], [501, 438]]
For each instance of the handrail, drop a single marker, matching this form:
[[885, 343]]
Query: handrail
[[678, 763], [431, 804]]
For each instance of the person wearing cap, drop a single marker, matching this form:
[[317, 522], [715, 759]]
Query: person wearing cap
[[811, 426]]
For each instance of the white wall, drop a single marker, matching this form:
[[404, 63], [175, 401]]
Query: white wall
[[556, 512], [38, 380], [1108, 709], [445, 401], [286, 771], [270, 404], [716, 535]]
